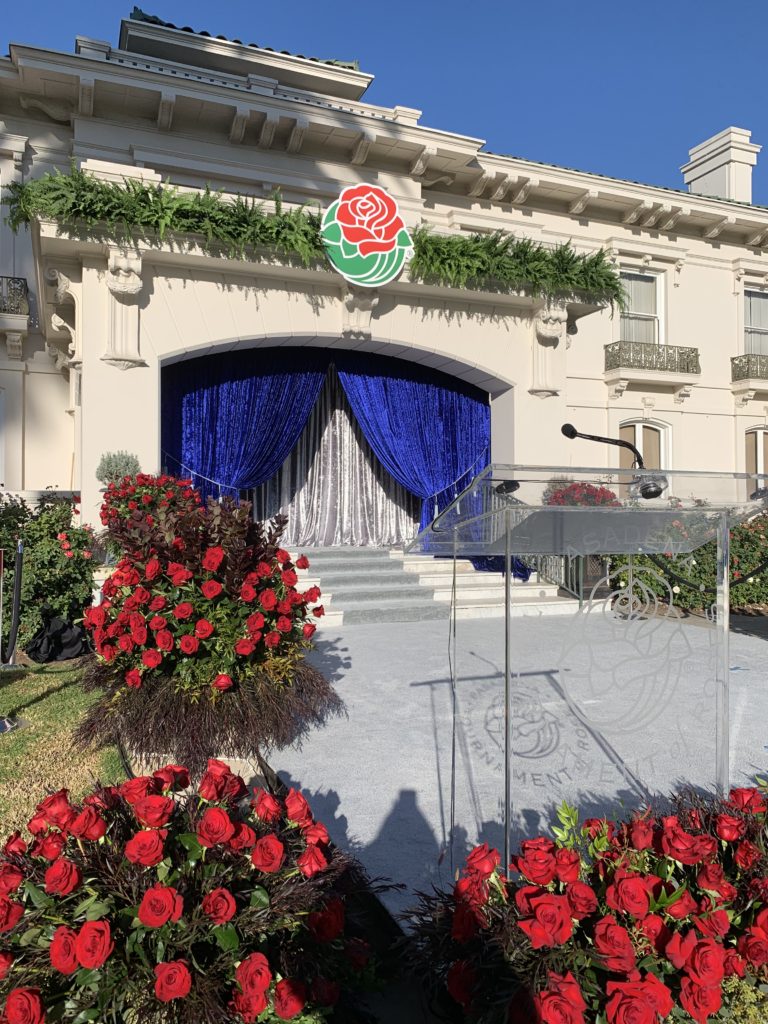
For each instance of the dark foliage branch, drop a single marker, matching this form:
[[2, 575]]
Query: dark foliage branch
[[496, 262]]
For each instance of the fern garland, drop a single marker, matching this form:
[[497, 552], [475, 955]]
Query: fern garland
[[496, 262]]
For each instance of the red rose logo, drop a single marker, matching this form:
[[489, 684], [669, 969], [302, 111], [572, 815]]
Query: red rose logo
[[369, 219], [172, 981]]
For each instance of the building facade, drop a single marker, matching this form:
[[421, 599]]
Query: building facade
[[89, 325]]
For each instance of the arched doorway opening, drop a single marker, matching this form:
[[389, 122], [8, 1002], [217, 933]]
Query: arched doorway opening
[[355, 448]]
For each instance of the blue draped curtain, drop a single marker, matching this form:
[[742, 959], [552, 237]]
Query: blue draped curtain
[[430, 431], [230, 420]]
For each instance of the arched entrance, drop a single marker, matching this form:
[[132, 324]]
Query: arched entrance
[[356, 448]]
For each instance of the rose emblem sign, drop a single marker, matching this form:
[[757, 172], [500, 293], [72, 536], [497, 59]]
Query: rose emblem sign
[[365, 237]]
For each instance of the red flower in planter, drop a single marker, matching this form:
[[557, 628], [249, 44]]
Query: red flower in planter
[[302, 562], [211, 589], [62, 950], [312, 861], [614, 945], [630, 893], [222, 682], [183, 611], [10, 914], [160, 904], [24, 1006], [173, 776], [749, 800], [561, 1002], [537, 862], [253, 974], [551, 923], [203, 629], [173, 981], [581, 899], [189, 644], [700, 1002], [638, 1000], [245, 647], [10, 879], [265, 806], [327, 924], [272, 639], [137, 788], [153, 811], [730, 828], [152, 658], [213, 558]]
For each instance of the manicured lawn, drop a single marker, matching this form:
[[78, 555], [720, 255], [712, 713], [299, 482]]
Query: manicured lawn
[[39, 757]]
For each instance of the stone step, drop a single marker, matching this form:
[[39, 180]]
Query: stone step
[[324, 555], [333, 619], [335, 572], [374, 589], [394, 611]]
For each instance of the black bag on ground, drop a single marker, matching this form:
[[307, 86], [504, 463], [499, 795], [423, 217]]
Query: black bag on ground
[[57, 640]]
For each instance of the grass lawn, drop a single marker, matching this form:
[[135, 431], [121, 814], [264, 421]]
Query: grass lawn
[[39, 758]]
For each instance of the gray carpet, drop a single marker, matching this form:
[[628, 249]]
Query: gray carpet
[[604, 716]]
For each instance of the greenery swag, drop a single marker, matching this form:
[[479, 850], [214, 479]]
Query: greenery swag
[[496, 261]]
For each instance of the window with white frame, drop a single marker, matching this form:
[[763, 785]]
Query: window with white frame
[[756, 322], [756, 455], [650, 439], [641, 320]]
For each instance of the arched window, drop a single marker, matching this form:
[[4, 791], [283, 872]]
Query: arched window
[[650, 439], [756, 454]]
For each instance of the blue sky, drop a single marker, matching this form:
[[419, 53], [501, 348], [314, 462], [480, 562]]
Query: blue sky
[[616, 88]]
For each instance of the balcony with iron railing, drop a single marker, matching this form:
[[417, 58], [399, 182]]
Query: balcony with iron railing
[[749, 376], [14, 314], [643, 363]]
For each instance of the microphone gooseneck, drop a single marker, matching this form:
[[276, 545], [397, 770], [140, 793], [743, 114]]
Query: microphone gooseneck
[[649, 487]]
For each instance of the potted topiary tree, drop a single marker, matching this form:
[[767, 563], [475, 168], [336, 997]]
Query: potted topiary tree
[[115, 466]]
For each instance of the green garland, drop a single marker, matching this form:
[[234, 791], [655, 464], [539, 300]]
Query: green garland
[[495, 262]]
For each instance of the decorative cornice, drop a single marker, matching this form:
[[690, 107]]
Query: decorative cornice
[[124, 275]]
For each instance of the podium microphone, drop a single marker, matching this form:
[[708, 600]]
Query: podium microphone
[[650, 487]]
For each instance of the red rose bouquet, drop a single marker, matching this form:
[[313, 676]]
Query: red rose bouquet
[[201, 635], [631, 922], [580, 495], [143, 905]]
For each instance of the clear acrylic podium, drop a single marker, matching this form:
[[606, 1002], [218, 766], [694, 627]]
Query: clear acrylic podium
[[609, 697]]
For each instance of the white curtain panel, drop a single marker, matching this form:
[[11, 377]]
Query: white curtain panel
[[639, 321], [756, 322], [333, 488]]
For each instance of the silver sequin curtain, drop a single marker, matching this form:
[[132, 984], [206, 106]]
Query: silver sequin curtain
[[333, 488]]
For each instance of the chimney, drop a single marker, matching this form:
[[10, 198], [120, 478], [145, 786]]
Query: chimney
[[722, 166]]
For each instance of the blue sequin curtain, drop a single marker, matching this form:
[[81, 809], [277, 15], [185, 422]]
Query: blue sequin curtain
[[230, 420], [430, 431]]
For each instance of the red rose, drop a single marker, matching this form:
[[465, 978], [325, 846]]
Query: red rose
[[683, 906], [700, 1002], [263, 570], [561, 1002], [282, 556], [249, 1007], [14, 844], [6, 962], [297, 809], [630, 893], [57, 810], [316, 834], [159, 904], [88, 825], [551, 923], [62, 877], [312, 861], [151, 658], [460, 982], [133, 678], [680, 947], [219, 905], [154, 811], [483, 860], [537, 861], [245, 647], [213, 558], [157, 603], [62, 950], [272, 639], [172, 981], [137, 788], [567, 865], [24, 1006], [50, 846], [153, 569], [289, 577], [146, 848], [290, 998], [173, 776], [93, 944], [638, 1001], [219, 783], [265, 806], [268, 599], [211, 589], [244, 837], [222, 682], [368, 218], [464, 924], [327, 924], [684, 847], [729, 828], [753, 946], [157, 622], [253, 974], [254, 622], [655, 931], [189, 644], [126, 644], [319, 611], [10, 878], [183, 611], [713, 925], [139, 635], [747, 855], [706, 964], [749, 800], [214, 827], [164, 640], [613, 945], [268, 854], [203, 629], [284, 624], [308, 629], [302, 562], [641, 834], [734, 964], [712, 878], [248, 593], [581, 899]]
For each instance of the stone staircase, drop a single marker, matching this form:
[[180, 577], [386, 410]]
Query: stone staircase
[[366, 585]]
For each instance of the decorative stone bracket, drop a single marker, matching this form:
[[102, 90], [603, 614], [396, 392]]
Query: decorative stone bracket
[[549, 344], [64, 295], [125, 284], [358, 309]]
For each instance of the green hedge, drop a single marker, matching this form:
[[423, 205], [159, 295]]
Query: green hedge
[[497, 262]]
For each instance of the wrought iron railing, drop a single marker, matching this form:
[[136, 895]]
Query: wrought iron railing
[[749, 366], [640, 355], [14, 296]]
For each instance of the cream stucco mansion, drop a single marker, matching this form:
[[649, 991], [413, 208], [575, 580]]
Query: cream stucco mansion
[[87, 325]]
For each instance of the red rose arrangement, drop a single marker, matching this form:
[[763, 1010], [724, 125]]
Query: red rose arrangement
[[139, 898], [580, 494], [628, 922], [202, 630]]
